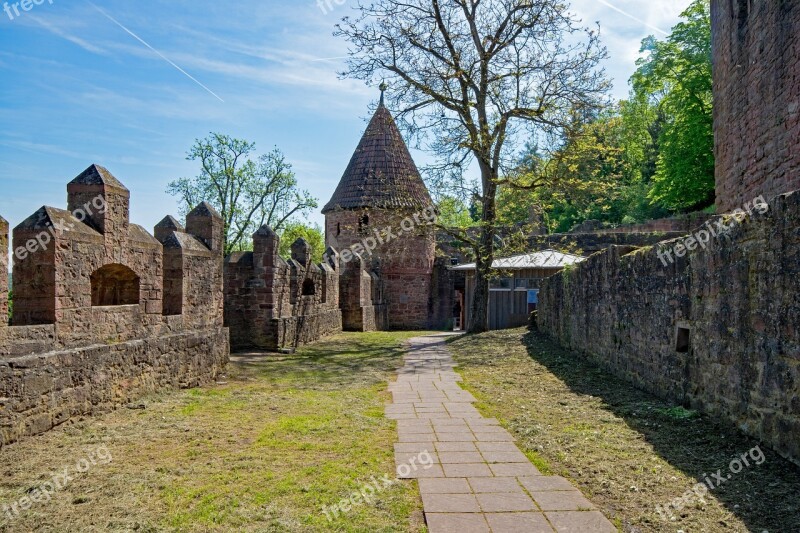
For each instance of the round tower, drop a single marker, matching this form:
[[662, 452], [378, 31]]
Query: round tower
[[382, 211]]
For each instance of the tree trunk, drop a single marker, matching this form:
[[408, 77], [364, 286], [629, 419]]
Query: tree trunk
[[479, 318]]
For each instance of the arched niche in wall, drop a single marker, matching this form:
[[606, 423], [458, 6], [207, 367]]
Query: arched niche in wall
[[115, 285]]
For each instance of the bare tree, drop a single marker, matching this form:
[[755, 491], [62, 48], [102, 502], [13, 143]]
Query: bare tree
[[469, 77]]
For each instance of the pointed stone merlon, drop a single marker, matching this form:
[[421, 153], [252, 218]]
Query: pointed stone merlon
[[101, 201], [3, 272], [166, 227], [331, 258], [266, 244], [301, 252], [205, 223]]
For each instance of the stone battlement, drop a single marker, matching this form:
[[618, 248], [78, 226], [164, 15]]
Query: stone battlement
[[272, 303], [103, 311]]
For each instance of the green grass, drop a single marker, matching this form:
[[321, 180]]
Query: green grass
[[283, 437], [627, 450]]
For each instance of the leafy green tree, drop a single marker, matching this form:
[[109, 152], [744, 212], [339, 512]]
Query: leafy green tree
[[247, 192], [673, 84], [454, 213], [313, 235]]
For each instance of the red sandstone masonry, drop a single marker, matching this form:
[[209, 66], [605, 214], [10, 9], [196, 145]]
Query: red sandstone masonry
[[757, 99], [405, 264], [88, 330], [272, 304], [740, 301], [3, 273]]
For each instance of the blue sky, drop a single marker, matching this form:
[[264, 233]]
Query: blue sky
[[78, 88]]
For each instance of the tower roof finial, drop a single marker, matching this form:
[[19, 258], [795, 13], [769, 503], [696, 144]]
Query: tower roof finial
[[383, 88]]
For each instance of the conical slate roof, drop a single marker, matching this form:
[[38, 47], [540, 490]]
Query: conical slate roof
[[381, 173]]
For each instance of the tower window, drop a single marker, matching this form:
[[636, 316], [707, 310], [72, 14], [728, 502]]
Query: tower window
[[338, 229], [363, 224]]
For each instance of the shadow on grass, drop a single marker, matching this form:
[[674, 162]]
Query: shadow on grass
[[342, 361], [765, 497]]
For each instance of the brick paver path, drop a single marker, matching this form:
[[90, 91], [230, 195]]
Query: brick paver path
[[480, 481]]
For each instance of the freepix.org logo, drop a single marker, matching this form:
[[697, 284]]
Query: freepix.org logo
[[17, 9]]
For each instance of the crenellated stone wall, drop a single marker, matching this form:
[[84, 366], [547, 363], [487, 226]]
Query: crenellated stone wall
[[89, 329], [274, 304], [717, 330], [756, 99]]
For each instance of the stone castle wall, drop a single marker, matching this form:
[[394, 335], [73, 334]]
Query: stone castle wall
[[716, 330], [757, 99], [403, 252], [272, 303], [89, 329]]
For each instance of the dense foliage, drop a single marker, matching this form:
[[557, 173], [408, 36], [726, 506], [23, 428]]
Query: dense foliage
[[643, 158]]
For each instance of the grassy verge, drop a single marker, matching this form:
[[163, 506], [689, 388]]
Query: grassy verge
[[284, 436], [627, 450]]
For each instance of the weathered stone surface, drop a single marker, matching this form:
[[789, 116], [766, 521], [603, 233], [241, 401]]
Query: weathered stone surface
[[735, 302], [400, 248], [756, 99], [274, 304], [39, 392], [88, 329]]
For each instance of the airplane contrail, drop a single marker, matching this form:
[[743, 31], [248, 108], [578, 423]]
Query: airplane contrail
[[162, 56], [618, 10]]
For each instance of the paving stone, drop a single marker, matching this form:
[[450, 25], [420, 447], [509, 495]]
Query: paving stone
[[414, 447], [545, 483], [460, 457], [450, 503], [419, 472], [461, 436], [505, 502], [562, 501], [505, 457], [494, 484], [518, 523], [444, 485], [456, 523], [467, 470], [496, 446], [514, 470], [479, 477], [413, 458], [580, 522], [468, 446]]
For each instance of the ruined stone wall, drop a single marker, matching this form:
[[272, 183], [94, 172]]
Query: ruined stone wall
[[3, 273], [272, 303], [362, 296], [88, 329], [757, 99], [39, 392], [716, 330], [403, 252]]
